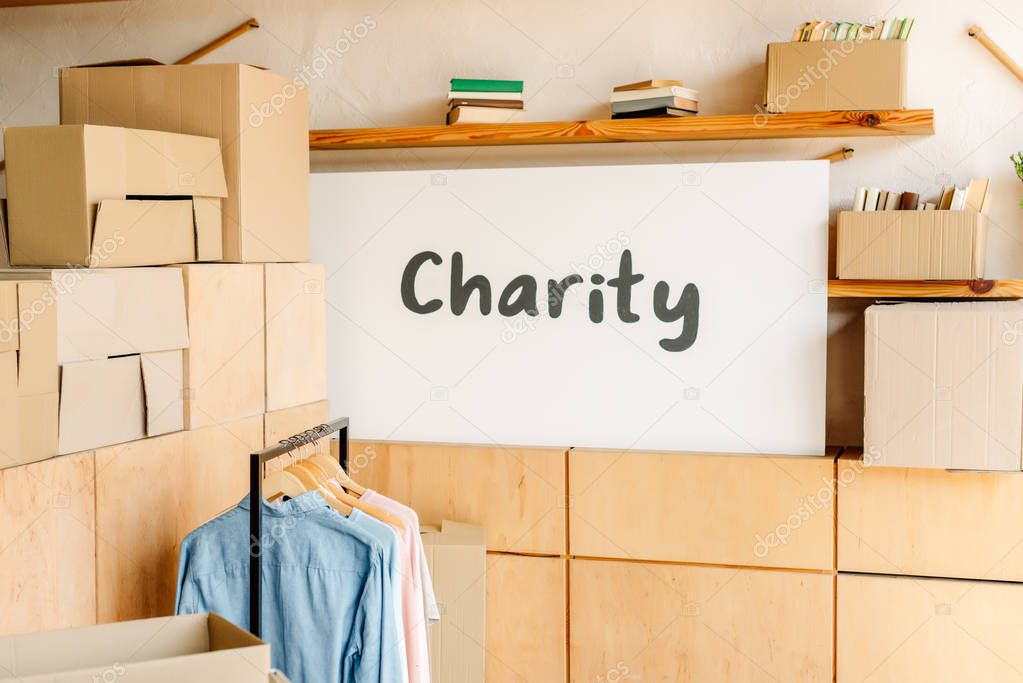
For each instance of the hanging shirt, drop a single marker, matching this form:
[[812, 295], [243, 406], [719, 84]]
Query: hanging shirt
[[327, 607], [416, 587]]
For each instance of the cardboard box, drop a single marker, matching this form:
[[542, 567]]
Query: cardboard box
[[116, 338], [296, 335], [225, 363], [28, 372], [199, 648], [943, 385], [102, 196], [457, 556], [836, 75], [261, 119], [911, 245]]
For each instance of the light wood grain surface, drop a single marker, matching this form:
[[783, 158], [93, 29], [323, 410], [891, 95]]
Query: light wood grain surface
[[296, 335], [894, 289]]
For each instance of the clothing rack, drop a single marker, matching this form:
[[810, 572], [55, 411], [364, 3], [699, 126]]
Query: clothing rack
[[256, 462]]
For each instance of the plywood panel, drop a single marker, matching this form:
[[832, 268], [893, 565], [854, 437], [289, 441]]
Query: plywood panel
[[717, 509], [296, 334], [139, 492], [526, 619], [897, 629], [515, 494], [930, 522], [216, 470], [659, 622], [47, 547], [281, 424], [225, 362]]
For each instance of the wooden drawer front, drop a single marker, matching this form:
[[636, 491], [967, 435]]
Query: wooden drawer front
[[902, 629], [47, 545], [633, 621], [716, 509], [930, 522], [526, 619], [516, 494]]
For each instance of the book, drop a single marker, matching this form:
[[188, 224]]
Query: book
[[483, 95], [929, 206], [654, 103], [958, 202], [945, 199], [870, 202], [497, 104], [859, 199], [650, 113], [977, 194], [882, 197], [479, 115], [485, 85], [909, 201], [646, 85], [892, 201], [649, 93]]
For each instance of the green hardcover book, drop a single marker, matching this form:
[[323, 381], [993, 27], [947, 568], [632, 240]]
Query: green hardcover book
[[484, 85]]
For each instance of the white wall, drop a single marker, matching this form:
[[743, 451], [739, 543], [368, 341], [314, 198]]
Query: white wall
[[570, 52], [399, 54]]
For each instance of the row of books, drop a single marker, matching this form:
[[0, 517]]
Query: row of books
[[480, 100], [886, 29], [951, 198], [653, 98]]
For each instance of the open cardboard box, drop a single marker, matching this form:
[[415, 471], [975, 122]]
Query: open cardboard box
[[102, 196], [836, 75], [198, 648], [260, 118], [911, 245], [110, 341]]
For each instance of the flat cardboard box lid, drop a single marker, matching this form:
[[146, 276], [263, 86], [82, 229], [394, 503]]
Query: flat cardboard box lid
[[454, 533], [147, 61], [156, 650]]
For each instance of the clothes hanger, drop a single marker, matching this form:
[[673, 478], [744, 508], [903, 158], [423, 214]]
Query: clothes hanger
[[313, 483], [281, 483], [314, 470], [333, 469]]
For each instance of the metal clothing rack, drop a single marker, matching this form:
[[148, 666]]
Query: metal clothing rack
[[256, 462]]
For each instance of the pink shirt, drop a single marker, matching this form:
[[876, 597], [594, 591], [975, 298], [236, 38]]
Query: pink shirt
[[418, 602]]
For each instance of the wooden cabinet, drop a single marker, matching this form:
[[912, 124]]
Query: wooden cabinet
[[149, 495], [516, 494], [930, 522], [47, 545], [634, 621], [717, 509], [526, 619], [902, 630]]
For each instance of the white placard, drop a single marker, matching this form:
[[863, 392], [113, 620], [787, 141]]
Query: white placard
[[711, 279]]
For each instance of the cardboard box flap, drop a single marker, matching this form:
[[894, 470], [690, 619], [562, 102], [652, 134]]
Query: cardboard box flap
[[161, 164], [102, 402], [9, 335], [163, 382], [208, 216], [5, 254], [135, 61], [37, 357], [143, 232]]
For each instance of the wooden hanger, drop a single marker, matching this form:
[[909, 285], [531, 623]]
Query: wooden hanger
[[333, 468], [309, 480], [314, 464], [281, 483]]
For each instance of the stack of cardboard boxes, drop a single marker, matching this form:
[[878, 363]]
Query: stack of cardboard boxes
[[158, 241]]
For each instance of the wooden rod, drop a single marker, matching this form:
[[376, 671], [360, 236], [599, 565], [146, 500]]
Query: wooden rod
[[241, 29], [839, 155], [992, 47]]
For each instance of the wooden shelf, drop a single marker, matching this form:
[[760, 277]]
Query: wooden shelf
[[910, 289], [827, 124]]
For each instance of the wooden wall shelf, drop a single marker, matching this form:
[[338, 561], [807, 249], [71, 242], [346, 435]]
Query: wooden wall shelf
[[827, 124], [909, 289]]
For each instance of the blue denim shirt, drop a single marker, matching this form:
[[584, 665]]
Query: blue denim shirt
[[327, 607]]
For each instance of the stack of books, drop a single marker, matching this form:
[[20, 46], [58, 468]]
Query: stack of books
[[885, 29], [477, 100], [653, 98], [951, 198]]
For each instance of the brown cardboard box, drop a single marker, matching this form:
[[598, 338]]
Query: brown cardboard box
[[116, 338], [943, 385], [836, 75], [28, 373], [103, 196], [225, 363], [296, 335], [911, 245], [457, 556], [199, 648], [261, 119]]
